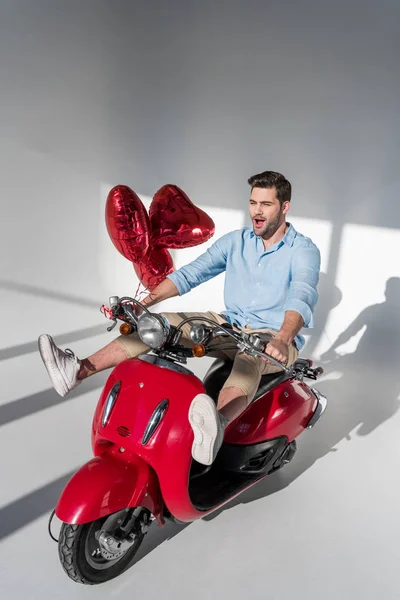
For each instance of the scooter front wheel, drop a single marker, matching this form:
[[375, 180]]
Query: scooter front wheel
[[96, 552]]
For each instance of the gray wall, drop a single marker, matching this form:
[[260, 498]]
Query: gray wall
[[78, 111], [204, 94], [199, 94]]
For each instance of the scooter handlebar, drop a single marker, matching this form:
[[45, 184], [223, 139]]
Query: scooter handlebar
[[242, 339], [272, 360], [121, 308]]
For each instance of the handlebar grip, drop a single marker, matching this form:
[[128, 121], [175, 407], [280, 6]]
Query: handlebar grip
[[113, 301]]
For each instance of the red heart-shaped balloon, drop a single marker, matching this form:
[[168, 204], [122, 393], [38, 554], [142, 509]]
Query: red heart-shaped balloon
[[127, 222], [176, 222], [154, 267]]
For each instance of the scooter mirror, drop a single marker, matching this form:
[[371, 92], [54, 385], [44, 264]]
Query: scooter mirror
[[198, 333]]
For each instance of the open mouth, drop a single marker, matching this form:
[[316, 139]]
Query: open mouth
[[258, 223]]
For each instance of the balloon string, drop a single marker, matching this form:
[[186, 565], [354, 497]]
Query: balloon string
[[137, 290], [139, 294]]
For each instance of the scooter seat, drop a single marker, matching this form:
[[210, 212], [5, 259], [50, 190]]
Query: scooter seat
[[220, 370]]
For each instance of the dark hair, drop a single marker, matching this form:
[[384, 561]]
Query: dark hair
[[270, 179]]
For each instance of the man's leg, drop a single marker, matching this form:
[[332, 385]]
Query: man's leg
[[242, 384], [240, 387], [232, 401], [237, 393], [129, 346], [108, 357], [66, 370]]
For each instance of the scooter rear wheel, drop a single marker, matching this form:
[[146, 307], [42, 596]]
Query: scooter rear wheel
[[81, 556]]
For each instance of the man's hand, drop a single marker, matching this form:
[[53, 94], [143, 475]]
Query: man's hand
[[278, 349]]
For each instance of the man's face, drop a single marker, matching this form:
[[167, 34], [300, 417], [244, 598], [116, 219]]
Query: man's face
[[266, 212]]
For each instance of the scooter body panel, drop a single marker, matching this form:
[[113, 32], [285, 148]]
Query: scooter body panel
[[283, 411], [144, 387], [107, 484], [157, 398]]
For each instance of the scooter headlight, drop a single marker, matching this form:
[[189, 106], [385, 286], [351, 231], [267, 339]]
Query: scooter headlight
[[153, 330]]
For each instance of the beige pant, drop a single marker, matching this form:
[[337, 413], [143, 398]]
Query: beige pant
[[246, 371]]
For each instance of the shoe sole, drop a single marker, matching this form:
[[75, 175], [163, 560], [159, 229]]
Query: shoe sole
[[46, 352], [204, 421]]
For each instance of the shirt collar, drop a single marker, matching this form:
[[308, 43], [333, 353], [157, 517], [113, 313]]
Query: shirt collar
[[288, 238]]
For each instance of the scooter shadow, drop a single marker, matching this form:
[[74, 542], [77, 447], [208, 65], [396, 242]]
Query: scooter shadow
[[358, 403], [157, 536], [269, 485]]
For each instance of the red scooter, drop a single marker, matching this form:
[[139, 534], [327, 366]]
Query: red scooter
[[141, 438]]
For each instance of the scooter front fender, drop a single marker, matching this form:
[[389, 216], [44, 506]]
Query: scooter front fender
[[106, 485]]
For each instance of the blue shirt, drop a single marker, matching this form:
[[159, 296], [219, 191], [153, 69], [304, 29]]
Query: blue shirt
[[260, 285]]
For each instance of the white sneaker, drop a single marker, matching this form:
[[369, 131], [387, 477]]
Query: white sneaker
[[208, 427], [62, 367]]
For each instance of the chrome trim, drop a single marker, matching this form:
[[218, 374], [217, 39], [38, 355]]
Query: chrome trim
[[319, 411], [155, 420], [164, 363], [198, 333], [110, 402], [110, 548], [156, 319]]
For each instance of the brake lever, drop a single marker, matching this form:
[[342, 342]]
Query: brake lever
[[249, 348], [118, 310], [111, 327], [109, 314]]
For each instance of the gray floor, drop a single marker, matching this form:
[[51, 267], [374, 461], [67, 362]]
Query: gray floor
[[326, 527]]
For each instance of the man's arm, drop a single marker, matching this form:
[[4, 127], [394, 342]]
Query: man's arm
[[278, 348], [166, 289], [301, 301], [207, 265]]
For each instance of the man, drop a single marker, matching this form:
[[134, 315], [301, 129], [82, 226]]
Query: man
[[271, 282]]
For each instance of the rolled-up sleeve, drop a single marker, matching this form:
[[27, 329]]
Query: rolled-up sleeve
[[205, 267], [303, 294]]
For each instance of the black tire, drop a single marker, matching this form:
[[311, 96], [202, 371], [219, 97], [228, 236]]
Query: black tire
[[74, 546]]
